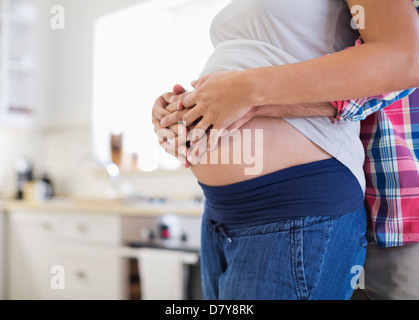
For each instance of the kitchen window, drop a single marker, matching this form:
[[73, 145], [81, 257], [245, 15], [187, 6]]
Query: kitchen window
[[139, 53]]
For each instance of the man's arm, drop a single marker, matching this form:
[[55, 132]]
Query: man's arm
[[360, 109], [302, 110], [337, 111]]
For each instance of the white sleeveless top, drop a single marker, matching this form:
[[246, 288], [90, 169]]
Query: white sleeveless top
[[261, 33]]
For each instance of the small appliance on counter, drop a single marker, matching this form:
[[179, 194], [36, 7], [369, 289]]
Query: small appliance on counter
[[24, 171], [28, 188], [48, 188]]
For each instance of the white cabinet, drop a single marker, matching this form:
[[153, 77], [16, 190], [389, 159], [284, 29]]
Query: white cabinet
[[17, 42], [2, 254], [29, 263], [64, 256]]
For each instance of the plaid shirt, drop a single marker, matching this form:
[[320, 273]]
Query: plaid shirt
[[390, 135]]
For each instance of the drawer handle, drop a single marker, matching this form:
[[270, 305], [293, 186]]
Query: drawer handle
[[81, 274], [82, 228], [46, 226]]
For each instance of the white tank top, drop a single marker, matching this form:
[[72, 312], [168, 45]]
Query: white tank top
[[261, 33]]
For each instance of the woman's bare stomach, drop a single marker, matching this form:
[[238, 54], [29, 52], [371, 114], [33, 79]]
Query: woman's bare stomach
[[262, 146]]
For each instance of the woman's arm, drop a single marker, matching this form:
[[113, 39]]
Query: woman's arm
[[388, 61]]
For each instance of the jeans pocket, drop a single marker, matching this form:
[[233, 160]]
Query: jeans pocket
[[309, 239]]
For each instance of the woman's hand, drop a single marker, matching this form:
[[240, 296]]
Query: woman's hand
[[217, 102], [169, 136]]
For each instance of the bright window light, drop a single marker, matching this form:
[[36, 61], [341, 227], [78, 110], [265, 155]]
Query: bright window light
[[139, 53]]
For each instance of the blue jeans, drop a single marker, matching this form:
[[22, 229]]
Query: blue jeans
[[316, 258]]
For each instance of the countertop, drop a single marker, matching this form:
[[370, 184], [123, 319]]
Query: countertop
[[130, 207]]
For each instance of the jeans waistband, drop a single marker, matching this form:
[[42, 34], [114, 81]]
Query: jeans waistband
[[322, 188]]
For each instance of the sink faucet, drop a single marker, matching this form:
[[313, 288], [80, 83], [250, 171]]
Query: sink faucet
[[111, 169]]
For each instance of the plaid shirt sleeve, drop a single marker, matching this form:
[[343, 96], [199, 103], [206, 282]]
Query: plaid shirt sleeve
[[360, 109]]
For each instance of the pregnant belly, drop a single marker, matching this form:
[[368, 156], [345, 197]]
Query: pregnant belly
[[262, 146]]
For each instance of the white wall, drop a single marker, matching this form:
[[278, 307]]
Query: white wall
[[71, 56]]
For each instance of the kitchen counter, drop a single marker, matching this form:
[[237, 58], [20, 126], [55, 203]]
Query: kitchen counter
[[128, 207]]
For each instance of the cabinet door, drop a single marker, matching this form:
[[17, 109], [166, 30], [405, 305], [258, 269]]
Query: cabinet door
[[84, 247], [2, 254], [29, 260], [90, 273], [89, 228], [19, 85]]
